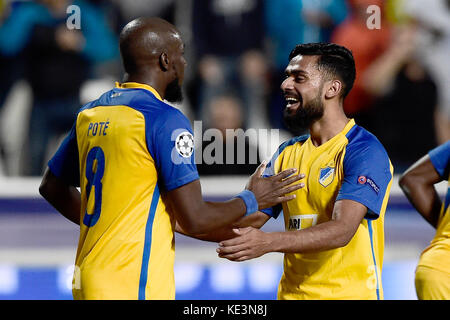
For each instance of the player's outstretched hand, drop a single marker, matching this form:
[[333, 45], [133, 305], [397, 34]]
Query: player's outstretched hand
[[249, 243], [273, 190]]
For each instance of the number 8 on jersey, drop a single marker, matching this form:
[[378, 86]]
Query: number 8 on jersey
[[95, 168]]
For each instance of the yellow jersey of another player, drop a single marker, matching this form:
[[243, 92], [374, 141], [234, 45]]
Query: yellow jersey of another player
[[437, 254], [125, 150], [352, 165]]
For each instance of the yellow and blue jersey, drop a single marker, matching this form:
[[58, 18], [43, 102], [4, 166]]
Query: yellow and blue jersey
[[437, 254], [352, 165], [125, 150]]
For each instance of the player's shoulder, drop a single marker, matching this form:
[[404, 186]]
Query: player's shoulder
[[295, 141], [167, 118], [163, 120], [159, 110], [299, 140], [140, 100], [171, 113], [364, 145]]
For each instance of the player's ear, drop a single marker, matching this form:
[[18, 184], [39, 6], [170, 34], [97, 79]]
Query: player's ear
[[333, 89], [164, 61]]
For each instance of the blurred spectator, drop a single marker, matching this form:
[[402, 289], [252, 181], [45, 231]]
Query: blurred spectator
[[6, 80], [10, 69], [405, 98], [367, 45], [4, 8], [115, 19], [434, 30], [113, 13], [229, 39], [290, 22], [132, 9], [57, 61], [224, 112]]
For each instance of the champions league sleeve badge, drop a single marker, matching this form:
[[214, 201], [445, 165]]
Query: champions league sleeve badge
[[184, 144]]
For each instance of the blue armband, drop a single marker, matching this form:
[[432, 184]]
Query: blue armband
[[250, 201]]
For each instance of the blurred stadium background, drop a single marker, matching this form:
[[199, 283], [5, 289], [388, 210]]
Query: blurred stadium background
[[236, 52]]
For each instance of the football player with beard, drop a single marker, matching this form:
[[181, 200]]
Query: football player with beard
[[334, 239]]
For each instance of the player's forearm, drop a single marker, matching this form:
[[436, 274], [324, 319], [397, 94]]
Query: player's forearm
[[321, 237], [255, 220], [197, 216], [252, 243], [216, 235], [417, 183], [64, 198], [67, 202], [215, 215], [424, 199]]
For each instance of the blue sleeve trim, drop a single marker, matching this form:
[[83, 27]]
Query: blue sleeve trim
[[273, 212], [182, 181], [372, 212], [440, 157]]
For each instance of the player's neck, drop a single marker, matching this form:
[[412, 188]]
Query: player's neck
[[332, 123], [147, 79]]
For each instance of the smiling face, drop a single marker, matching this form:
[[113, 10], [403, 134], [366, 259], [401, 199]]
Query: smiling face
[[302, 90]]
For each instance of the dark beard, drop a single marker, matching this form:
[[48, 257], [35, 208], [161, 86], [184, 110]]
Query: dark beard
[[305, 115], [174, 92]]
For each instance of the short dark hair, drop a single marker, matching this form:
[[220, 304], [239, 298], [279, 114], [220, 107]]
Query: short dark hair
[[337, 60]]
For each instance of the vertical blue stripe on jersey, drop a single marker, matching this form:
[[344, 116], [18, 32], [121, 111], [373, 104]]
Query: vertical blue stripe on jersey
[[446, 201], [148, 243], [369, 224]]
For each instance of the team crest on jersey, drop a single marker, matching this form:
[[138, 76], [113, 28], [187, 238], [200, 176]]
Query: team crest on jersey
[[326, 176], [184, 143]]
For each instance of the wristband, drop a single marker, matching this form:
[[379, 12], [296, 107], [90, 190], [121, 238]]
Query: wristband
[[250, 201]]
